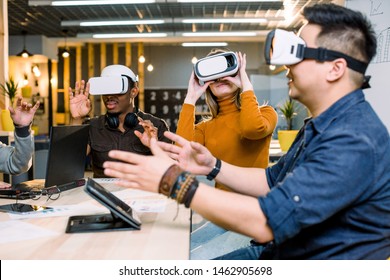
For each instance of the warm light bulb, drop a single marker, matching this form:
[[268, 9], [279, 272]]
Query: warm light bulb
[[150, 68], [65, 54], [194, 60], [272, 67], [25, 55], [53, 81], [141, 59], [36, 71]]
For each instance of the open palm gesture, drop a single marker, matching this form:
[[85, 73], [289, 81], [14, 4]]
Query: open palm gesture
[[23, 113], [80, 105]]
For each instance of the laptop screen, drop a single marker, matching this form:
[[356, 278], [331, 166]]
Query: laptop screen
[[67, 154]]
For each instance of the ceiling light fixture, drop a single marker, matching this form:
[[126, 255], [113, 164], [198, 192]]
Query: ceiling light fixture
[[24, 53], [150, 67], [224, 1], [129, 35], [86, 2], [65, 53], [205, 44], [194, 60], [141, 59], [112, 22], [259, 34], [225, 20], [219, 34], [116, 2], [121, 22]]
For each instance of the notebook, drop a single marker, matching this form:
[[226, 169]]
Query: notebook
[[65, 163]]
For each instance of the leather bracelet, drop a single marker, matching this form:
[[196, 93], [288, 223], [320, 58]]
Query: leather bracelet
[[215, 170], [190, 193], [185, 188], [168, 180], [177, 185]]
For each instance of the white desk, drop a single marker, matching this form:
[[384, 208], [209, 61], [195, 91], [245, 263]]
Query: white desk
[[160, 237]]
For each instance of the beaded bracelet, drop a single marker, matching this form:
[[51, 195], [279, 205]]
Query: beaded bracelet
[[179, 185], [183, 186], [190, 193], [187, 189]]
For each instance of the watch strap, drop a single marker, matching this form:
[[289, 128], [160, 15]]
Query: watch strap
[[215, 170]]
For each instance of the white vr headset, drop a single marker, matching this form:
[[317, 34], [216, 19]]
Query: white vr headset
[[286, 48], [108, 85], [216, 66]]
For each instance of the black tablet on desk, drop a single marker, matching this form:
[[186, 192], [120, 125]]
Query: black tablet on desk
[[21, 208], [121, 216]]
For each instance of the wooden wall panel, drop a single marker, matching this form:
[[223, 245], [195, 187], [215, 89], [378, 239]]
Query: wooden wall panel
[[128, 57], [141, 77]]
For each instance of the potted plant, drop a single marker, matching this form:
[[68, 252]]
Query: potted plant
[[289, 110], [9, 89]]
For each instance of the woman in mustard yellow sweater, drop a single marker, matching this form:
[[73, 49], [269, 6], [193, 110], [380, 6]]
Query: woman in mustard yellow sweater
[[239, 131]]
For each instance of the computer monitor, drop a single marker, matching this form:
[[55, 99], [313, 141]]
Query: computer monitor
[[67, 154]]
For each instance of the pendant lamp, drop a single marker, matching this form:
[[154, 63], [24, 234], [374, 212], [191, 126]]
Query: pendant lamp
[[65, 53], [24, 53]]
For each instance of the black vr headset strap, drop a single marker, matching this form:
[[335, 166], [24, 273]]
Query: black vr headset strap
[[322, 54]]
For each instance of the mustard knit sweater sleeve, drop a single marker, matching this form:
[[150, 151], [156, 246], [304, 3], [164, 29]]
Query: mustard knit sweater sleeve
[[186, 125], [256, 122]]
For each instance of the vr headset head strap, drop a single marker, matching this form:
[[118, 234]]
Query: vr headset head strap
[[322, 54]]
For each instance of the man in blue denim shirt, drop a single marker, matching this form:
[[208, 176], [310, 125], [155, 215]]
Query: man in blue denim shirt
[[329, 196], [337, 197]]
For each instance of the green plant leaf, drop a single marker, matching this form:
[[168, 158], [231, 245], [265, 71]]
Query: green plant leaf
[[9, 88], [289, 110]]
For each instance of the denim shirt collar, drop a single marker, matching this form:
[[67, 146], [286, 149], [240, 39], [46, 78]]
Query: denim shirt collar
[[314, 126], [339, 108]]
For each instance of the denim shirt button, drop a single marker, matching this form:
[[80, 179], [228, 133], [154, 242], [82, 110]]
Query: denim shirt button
[[296, 198]]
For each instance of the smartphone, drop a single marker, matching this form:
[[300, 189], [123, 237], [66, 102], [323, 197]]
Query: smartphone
[[21, 208]]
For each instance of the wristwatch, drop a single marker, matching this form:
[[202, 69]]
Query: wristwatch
[[215, 170]]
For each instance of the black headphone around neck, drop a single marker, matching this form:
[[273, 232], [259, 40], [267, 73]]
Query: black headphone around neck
[[131, 120]]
